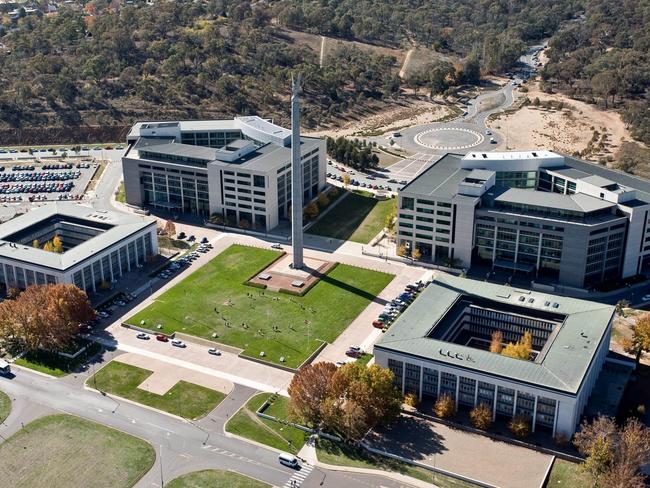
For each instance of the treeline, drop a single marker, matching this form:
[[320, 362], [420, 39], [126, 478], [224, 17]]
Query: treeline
[[604, 57], [494, 31], [179, 59], [352, 152]]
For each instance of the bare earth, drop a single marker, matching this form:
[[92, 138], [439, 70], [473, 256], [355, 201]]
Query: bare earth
[[416, 113], [568, 130]]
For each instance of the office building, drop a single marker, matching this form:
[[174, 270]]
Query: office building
[[552, 218], [238, 169], [441, 345]]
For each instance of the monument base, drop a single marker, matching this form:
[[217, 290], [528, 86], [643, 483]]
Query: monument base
[[282, 275]]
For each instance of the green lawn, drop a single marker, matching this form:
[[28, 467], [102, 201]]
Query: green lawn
[[364, 359], [357, 218], [342, 454], [328, 308], [63, 451], [5, 406], [55, 364], [120, 196], [565, 473], [184, 399], [214, 478], [246, 424]]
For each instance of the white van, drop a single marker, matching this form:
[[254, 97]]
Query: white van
[[5, 368], [288, 460]]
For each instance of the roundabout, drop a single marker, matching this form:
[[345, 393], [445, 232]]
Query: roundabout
[[449, 138]]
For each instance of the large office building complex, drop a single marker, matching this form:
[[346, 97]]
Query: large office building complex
[[441, 345], [239, 169], [98, 246], [551, 217]]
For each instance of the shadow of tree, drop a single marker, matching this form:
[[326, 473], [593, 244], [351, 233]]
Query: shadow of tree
[[409, 437]]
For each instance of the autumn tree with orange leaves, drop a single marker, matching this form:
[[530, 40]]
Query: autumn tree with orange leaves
[[44, 317], [307, 391]]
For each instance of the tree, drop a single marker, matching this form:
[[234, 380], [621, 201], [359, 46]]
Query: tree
[[57, 244], [445, 407], [346, 180], [244, 224], [312, 210], [170, 228], [519, 425], [416, 254], [323, 200], [496, 342], [44, 317], [481, 416], [521, 349], [307, 391], [401, 250], [412, 400], [48, 247], [640, 341], [36, 244], [621, 305]]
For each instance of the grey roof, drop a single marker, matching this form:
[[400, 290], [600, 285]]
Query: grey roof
[[577, 202], [569, 172], [597, 180], [441, 179], [481, 174], [206, 154], [569, 352], [123, 226]]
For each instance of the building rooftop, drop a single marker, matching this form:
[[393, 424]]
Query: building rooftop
[[581, 327], [577, 202], [112, 227], [441, 179]]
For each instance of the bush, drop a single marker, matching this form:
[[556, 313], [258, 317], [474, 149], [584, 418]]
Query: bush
[[445, 407], [412, 400], [481, 416], [520, 426]]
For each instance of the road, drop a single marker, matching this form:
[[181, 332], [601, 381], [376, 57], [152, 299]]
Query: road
[[181, 446]]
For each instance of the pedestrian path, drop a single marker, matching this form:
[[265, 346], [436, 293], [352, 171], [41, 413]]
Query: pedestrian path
[[299, 476]]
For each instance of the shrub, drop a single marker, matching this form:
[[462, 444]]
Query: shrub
[[445, 407], [520, 426], [481, 416], [411, 399]]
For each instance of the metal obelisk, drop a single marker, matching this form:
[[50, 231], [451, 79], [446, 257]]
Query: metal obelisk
[[296, 176]]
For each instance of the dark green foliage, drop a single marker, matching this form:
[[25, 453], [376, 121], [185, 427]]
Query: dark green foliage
[[352, 152]]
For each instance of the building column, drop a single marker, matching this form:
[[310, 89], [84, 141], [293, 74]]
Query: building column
[[539, 254], [4, 268], [119, 260], [83, 279], [92, 275], [101, 269], [421, 381], [494, 403], [494, 245], [457, 389], [403, 376], [128, 258], [557, 409], [475, 392], [16, 277], [25, 277], [110, 266], [534, 419], [135, 246], [439, 381], [514, 405]]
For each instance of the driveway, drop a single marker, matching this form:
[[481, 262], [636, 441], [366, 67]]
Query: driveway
[[472, 455]]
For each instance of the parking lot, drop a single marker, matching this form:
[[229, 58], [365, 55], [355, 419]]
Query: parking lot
[[45, 181]]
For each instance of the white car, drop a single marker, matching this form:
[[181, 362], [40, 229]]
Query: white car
[[646, 298], [277, 245], [214, 351], [488, 132], [143, 336], [178, 343]]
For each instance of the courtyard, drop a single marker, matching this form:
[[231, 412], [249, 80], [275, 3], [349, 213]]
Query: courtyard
[[214, 303]]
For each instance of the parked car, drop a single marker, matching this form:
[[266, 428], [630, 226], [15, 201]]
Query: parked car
[[205, 240], [191, 238], [355, 348], [378, 324], [276, 245], [353, 354], [143, 336], [178, 343], [180, 236], [214, 351], [162, 338]]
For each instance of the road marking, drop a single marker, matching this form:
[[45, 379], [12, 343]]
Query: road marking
[[299, 476]]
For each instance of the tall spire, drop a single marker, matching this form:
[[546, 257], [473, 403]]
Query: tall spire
[[296, 175]]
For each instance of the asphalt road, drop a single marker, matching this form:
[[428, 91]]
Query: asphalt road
[[181, 446]]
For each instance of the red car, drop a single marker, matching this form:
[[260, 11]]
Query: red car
[[378, 325], [162, 338], [353, 354]]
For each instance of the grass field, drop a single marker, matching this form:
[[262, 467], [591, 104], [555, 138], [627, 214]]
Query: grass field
[[248, 425], [63, 451], [184, 399], [565, 473], [120, 196], [5, 406], [341, 454], [357, 218], [302, 322], [214, 478], [55, 364]]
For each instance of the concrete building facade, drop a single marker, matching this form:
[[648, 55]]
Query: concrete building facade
[[548, 216], [440, 345], [98, 246], [239, 169]]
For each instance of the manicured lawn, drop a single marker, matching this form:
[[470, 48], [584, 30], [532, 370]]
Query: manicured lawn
[[342, 454], [248, 425], [565, 473], [357, 218], [214, 478], [120, 196], [302, 322], [63, 451], [183, 399], [55, 364], [365, 358], [5, 406]]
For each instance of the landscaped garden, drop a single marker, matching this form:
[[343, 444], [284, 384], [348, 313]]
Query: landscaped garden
[[184, 399], [359, 218], [61, 451], [5, 406], [214, 303], [565, 473], [245, 423], [54, 364], [215, 478]]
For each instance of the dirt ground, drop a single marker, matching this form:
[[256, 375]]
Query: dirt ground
[[568, 130], [415, 113]]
